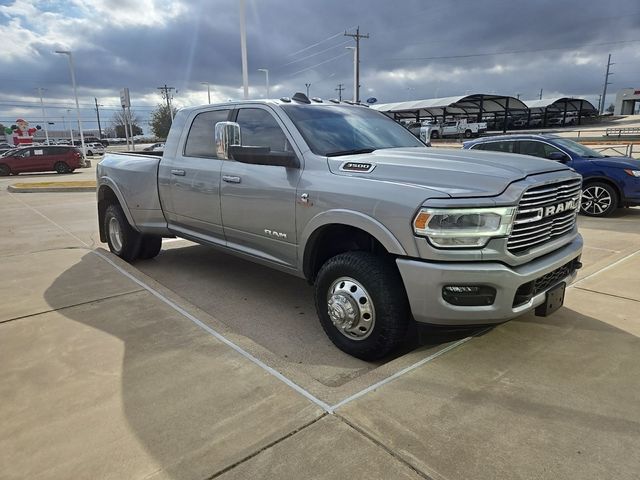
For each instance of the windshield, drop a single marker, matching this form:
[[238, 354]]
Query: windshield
[[577, 149], [333, 130]]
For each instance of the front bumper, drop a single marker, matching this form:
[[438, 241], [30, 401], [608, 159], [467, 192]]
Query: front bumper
[[424, 282]]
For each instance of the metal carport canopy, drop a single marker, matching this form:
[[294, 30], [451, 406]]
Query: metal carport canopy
[[466, 105], [558, 104]]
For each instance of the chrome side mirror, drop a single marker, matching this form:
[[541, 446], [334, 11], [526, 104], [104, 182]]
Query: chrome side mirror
[[226, 135]]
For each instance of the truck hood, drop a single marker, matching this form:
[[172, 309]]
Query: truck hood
[[457, 173], [617, 162]]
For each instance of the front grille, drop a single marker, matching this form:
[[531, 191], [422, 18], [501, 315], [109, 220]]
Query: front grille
[[530, 289], [534, 225]]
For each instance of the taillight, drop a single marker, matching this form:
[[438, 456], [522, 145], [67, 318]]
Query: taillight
[[77, 154]]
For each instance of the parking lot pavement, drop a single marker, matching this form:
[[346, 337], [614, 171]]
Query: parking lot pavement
[[112, 371], [533, 398], [122, 385]]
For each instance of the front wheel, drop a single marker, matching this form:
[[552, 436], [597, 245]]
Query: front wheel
[[468, 133], [5, 171], [123, 240], [362, 305], [598, 199]]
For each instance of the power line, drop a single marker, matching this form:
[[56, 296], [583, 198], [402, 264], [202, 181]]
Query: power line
[[313, 54], [510, 52], [315, 44], [318, 64]]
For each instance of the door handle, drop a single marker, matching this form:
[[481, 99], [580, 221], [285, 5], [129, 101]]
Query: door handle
[[179, 173], [231, 179]]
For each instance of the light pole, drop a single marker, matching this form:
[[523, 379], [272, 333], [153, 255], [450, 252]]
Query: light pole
[[75, 93], [44, 116], [355, 71], [308, 85], [266, 72], [208, 90], [70, 127], [243, 48]]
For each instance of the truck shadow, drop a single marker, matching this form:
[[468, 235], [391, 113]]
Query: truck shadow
[[273, 309]]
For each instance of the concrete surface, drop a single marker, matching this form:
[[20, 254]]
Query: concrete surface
[[102, 379]]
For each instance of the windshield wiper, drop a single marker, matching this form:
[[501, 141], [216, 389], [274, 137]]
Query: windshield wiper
[[350, 152]]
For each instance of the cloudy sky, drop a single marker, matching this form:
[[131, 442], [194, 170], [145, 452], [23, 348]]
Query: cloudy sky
[[417, 49]]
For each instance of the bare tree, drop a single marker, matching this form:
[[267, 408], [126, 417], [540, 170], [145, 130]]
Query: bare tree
[[118, 123]]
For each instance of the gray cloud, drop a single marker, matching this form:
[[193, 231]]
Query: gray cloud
[[561, 45]]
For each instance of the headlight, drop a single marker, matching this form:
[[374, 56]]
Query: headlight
[[464, 227], [633, 173]]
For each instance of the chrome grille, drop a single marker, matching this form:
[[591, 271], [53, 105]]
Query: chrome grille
[[532, 228]]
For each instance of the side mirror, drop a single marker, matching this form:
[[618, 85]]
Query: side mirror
[[263, 156], [558, 157], [226, 134]]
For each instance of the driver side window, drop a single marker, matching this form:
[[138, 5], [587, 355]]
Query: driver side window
[[258, 128]]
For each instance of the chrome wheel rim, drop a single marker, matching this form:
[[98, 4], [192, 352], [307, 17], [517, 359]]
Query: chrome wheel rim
[[115, 234], [350, 308], [596, 200]]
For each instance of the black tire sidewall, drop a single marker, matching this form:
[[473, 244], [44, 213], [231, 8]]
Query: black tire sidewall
[[61, 167], [379, 276], [5, 171], [130, 238], [614, 196]]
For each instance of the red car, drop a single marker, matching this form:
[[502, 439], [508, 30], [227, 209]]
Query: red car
[[40, 159]]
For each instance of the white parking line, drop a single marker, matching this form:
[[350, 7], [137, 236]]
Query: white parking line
[[400, 373], [626, 257]]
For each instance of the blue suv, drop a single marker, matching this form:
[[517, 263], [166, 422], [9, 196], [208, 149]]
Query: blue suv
[[608, 182]]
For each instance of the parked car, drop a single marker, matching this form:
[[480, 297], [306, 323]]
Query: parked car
[[463, 128], [388, 231], [94, 149], [41, 159], [608, 182]]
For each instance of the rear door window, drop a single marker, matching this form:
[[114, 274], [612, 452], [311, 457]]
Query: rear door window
[[505, 146], [200, 140]]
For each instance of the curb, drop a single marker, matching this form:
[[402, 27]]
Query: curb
[[26, 188]]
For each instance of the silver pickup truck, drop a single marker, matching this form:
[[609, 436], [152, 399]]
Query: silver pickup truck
[[387, 230]]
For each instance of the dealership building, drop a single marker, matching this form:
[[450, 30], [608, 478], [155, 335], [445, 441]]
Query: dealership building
[[627, 102]]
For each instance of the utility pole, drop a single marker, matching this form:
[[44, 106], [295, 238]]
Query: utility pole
[[599, 101], [606, 82], [339, 90], [168, 96], [540, 94], [357, 38], [98, 115], [307, 85], [44, 115]]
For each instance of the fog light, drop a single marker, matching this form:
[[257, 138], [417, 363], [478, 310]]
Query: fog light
[[469, 295]]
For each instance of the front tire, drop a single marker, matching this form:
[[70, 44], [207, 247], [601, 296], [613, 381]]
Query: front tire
[[468, 133], [5, 171], [62, 167], [123, 240], [361, 303], [599, 199]]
